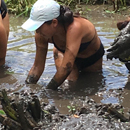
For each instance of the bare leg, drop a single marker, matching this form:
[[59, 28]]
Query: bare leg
[[58, 57]]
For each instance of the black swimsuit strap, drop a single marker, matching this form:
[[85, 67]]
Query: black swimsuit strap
[[83, 46]]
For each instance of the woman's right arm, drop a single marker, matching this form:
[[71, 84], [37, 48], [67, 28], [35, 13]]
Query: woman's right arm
[[40, 58]]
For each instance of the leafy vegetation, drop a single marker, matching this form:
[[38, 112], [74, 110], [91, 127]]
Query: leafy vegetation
[[20, 7], [72, 109], [2, 112], [23, 7]]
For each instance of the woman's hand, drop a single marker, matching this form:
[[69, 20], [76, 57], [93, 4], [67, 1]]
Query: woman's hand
[[31, 79], [52, 84]]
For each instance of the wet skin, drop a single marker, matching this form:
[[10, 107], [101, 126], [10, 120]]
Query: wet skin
[[4, 32], [69, 41]]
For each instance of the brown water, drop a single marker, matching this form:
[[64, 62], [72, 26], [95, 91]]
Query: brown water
[[102, 87]]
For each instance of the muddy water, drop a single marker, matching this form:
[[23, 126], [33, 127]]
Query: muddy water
[[103, 87]]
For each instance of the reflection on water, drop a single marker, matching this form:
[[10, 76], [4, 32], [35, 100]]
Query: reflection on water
[[20, 58]]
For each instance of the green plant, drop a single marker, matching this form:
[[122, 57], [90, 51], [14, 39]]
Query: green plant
[[72, 109], [20, 7], [123, 2], [2, 112]]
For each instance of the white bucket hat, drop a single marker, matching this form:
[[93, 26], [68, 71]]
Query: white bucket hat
[[42, 11]]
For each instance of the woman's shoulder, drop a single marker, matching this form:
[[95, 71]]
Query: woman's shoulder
[[76, 28], [80, 27], [80, 23]]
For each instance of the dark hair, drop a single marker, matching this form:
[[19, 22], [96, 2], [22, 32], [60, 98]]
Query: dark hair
[[65, 17]]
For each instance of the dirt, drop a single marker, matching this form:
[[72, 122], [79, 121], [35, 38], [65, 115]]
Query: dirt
[[103, 11], [86, 114]]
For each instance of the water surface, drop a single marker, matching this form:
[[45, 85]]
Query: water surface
[[102, 87]]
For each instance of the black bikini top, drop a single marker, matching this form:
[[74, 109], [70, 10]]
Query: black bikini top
[[3, 9], [83, 46]]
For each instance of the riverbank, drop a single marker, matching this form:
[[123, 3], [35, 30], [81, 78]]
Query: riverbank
[[24, 112], [103, 11]]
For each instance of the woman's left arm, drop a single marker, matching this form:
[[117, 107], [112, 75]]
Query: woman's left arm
[[73, 41]]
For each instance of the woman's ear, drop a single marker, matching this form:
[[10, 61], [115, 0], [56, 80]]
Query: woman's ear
[[55, 22]]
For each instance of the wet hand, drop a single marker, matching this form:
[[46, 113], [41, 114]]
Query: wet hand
[[52, 85], [31, 79]]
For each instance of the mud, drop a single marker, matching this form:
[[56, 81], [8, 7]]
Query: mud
[[111, 86], [85, 114]]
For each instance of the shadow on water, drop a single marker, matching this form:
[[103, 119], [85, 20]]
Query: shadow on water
[[20, 58]]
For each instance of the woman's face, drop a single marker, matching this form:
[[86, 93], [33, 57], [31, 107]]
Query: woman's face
[[48, 30]]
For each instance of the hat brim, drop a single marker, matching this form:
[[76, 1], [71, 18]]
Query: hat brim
[[31, 25]]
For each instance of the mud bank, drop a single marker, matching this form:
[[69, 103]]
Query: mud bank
[[25, 112]]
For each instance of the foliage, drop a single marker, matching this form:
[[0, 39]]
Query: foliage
[[72, 109], [19, 7], [23, 7], [2, 112]]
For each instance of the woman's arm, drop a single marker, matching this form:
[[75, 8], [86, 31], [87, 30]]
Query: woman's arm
[[73, 42], [40, 58]]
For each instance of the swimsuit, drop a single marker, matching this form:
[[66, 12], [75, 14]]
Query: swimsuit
[[85, 62], [3, 9], [83, 46]]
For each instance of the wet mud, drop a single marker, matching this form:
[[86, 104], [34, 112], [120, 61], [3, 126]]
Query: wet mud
[[25, 112], [92, 94]]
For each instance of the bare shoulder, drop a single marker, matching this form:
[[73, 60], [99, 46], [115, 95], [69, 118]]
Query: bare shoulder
[[80, 27], [75, 28]]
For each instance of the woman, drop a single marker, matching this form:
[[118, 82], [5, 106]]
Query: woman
[[4, 31], [77, 46]]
